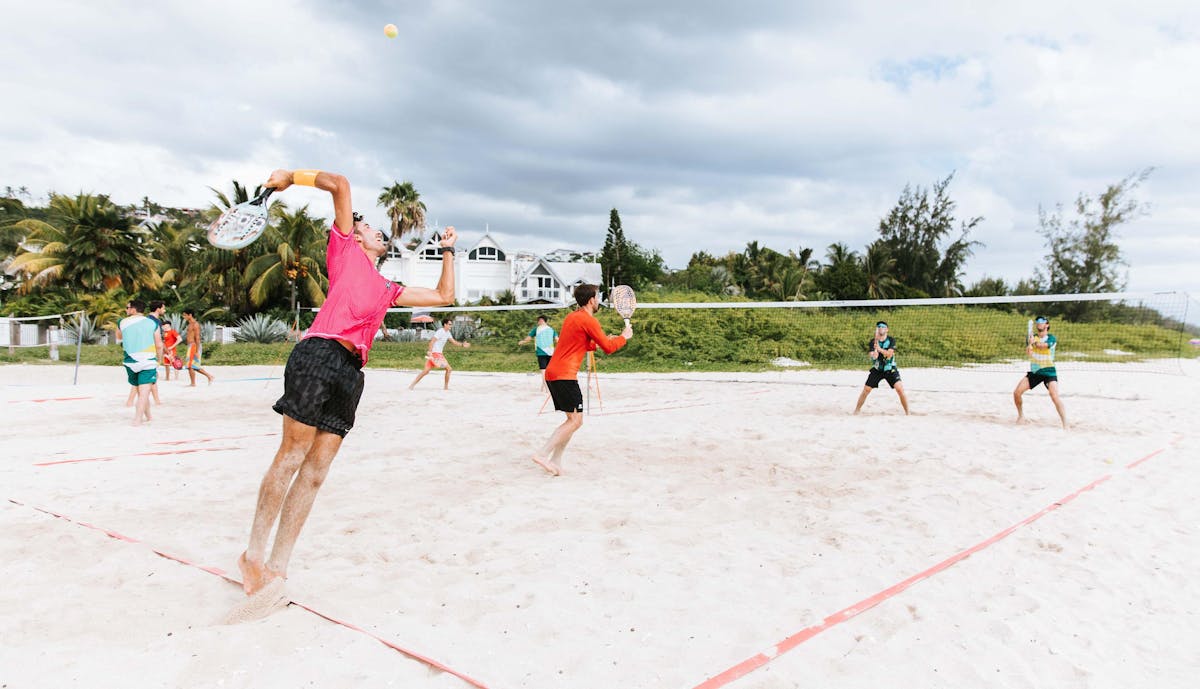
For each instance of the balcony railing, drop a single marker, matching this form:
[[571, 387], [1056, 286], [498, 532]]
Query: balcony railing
[[547, 294]]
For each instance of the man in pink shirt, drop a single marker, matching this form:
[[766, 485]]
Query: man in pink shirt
[[323, 380]]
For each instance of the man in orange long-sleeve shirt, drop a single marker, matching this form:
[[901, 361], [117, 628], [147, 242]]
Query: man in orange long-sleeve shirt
[[581, 333]]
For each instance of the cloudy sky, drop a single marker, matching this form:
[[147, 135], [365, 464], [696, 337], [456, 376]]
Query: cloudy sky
[[707, 125]]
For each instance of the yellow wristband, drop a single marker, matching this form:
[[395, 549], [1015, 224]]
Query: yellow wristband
[[306, 178]]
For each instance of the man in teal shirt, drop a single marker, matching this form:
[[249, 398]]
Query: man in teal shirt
[[882, 349], [142, 345], [1040, 348], [544, 338]]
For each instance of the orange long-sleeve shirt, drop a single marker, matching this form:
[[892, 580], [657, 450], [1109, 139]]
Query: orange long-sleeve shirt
[[580, 334]]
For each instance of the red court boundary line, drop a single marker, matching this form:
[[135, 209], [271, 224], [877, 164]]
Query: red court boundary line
[[140, 454], [753, 663], [51, 399], [221, 573], [209, 440]]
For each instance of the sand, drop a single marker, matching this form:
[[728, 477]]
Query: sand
[[700, 521]]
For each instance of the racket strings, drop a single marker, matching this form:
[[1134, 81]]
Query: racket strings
[[623, 300]]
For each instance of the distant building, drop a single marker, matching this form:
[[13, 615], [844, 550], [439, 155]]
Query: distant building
[[485, 269]]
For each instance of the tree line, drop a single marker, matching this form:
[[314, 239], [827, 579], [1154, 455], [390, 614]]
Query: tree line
[[85, 252], [921, 250]]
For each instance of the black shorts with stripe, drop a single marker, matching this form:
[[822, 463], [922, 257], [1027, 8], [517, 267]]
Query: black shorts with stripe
[[322, 384], [566, 394]]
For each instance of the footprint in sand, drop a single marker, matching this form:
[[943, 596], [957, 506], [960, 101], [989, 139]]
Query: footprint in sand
[[270, 599]]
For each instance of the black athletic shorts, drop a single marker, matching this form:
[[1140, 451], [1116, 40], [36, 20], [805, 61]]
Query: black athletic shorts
[[322, 384], [1036, 379], [892, 377], [543, 361], [566, 394]]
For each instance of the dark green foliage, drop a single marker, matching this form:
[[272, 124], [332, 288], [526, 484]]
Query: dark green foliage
[[914, 232], [1084, 256]]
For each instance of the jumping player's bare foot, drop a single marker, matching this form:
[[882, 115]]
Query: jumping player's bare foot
[[549, 467], [253, 575]]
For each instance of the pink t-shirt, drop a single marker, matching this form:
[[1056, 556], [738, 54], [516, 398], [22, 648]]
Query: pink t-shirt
[[359, 296]]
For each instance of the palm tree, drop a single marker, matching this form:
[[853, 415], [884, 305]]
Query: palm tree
[[300, 240], [38, 250], [404, 207], [222, 275], [90, 243], [879, 267]]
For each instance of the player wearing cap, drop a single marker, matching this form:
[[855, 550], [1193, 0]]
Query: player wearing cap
[[882, 349], [1040, 348]]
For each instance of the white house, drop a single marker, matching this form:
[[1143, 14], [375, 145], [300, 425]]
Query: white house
[[485, 269]]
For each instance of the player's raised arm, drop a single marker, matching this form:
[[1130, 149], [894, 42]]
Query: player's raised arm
[[335, 184], [443, 294]]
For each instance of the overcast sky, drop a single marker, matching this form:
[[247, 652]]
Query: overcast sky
[[707, 125]]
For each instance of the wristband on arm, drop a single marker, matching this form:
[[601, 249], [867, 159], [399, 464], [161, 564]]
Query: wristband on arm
[[305, 178]]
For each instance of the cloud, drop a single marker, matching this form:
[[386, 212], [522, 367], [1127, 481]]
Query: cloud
[[708, 125]]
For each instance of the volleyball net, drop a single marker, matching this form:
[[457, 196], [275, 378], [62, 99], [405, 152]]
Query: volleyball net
[[1146, 332]]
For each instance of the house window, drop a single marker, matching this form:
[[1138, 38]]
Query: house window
[[487, 253]]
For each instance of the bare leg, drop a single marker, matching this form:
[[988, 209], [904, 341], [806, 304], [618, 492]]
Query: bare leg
[[206, 374], [295, 444], [142, 409], [154, 392], [299, 500], [446, 384], [550, 456], [132, 397], [1052, 387], [1022, 388], [420, 375], [862, 397], [903, 397], [192, 377]]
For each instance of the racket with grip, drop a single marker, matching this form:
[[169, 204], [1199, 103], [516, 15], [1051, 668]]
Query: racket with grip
[[624, 302], [242, 224]]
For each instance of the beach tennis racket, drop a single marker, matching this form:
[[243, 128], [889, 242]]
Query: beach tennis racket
[[624, 301], [242, 224]]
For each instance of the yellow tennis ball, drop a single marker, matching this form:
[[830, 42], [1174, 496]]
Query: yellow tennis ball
[[391, 31]]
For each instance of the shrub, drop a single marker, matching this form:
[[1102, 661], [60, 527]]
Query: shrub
[[261, 328]]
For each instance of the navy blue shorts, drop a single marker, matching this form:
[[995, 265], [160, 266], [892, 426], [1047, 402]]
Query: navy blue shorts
[[892, 377], [322, 384], [543, 361], [566, 394]]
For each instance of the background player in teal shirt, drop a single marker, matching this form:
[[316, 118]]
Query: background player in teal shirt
[[1040, 347], [544, 338], [882, 349]]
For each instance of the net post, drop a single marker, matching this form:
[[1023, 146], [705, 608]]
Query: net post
[[78, 343], [52, 340]]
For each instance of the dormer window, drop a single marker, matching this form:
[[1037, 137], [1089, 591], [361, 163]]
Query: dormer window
[[432, 251], [486, 253]]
